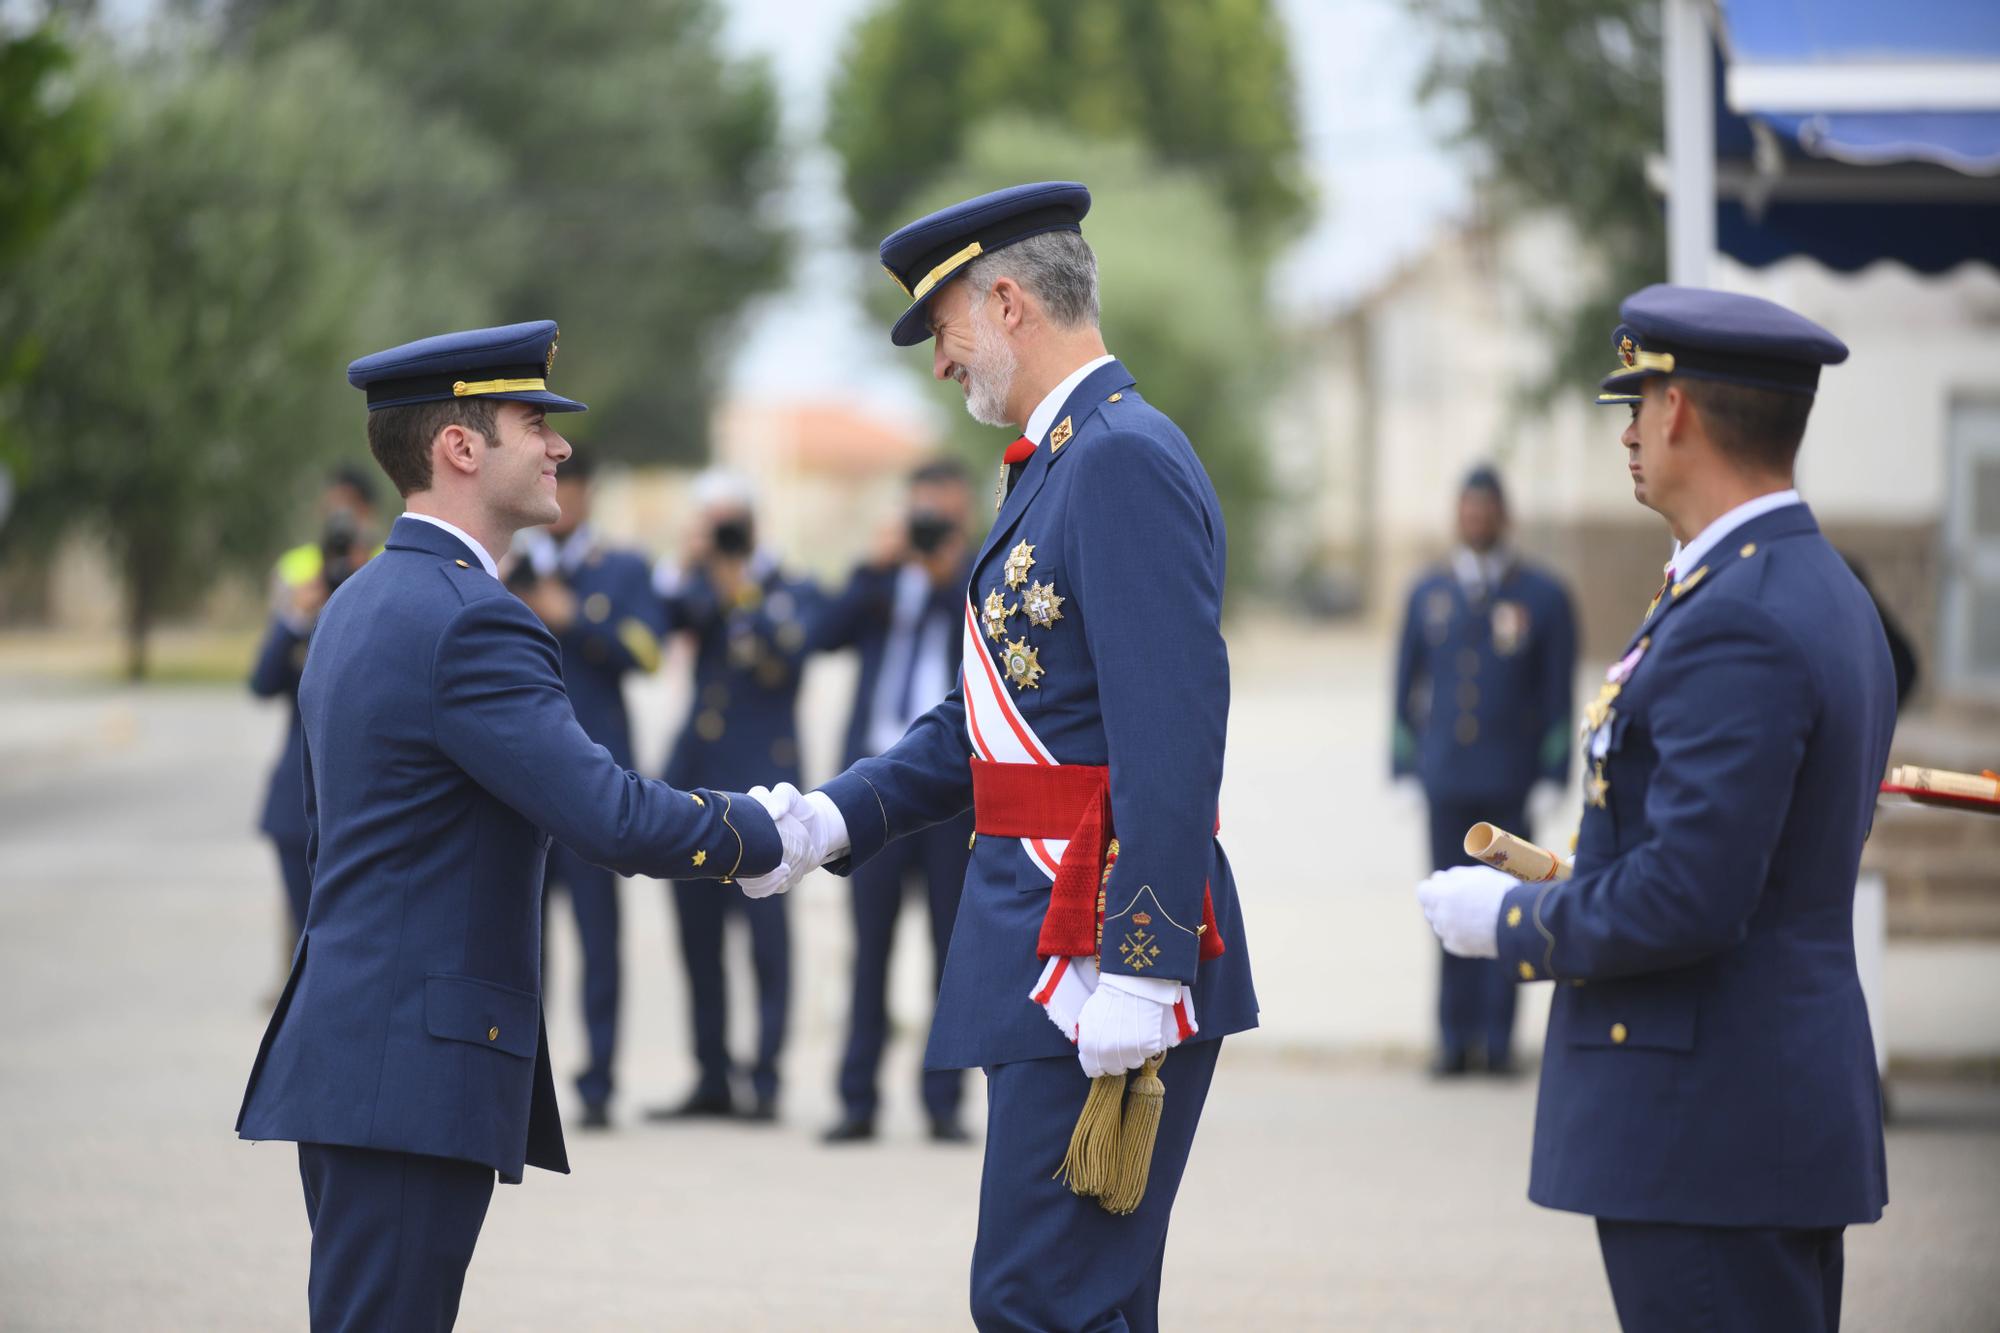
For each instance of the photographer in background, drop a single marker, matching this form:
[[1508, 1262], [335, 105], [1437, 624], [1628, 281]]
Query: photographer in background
[[748, 624], [598, 601], [302, 580], [904, 611]]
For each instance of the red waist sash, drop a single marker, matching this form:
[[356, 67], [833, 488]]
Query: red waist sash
[[1071, 802]]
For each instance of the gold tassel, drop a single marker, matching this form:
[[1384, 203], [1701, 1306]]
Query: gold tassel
[[1092, 1158], [1136, 1136]]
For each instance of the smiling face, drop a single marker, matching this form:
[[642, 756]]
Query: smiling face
[[517, 475], [970, 345]]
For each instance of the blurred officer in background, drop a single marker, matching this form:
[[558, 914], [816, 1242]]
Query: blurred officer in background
[[748, 623], [598, 601], [1484, 679], [902, 610], [302, 580]]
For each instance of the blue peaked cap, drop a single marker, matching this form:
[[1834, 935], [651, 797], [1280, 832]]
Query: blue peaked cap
[[1711, 335], [925, 254], [511, 362]]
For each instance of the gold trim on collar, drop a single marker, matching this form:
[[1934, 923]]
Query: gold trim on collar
[[944, 270], [469, 389]]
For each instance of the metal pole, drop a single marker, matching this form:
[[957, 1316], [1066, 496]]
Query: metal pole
[[1690, 116]]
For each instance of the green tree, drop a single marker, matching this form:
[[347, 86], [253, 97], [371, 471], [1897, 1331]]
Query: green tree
[[196, 305], [640, 166], [50, 142], [1560, 102], [1205, 86], [1181, 304]]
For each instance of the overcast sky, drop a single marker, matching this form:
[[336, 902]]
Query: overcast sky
[[1383, 179]]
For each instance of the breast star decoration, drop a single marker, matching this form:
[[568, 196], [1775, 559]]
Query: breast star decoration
[[995, 614], [1019, 561], [1044, 608], [1023, 665]]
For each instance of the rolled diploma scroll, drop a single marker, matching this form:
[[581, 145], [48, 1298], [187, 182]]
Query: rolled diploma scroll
[[1980, 787], [1521, 859]]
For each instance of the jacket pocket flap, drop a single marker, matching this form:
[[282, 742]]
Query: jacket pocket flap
[[1640, 1014], [482, 1012]]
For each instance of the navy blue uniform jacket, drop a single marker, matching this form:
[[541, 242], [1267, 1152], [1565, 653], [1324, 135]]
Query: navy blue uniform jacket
[[1117, 517], [1483, 690], [441, 756], [1708, 1058]]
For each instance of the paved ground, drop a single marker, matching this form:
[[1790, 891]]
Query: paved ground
[[1332, 1187]]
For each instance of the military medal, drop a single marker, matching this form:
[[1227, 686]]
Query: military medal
[[1019, 561], [1597, 787], [1044, 608], [1024, 665], [1510, 627], [995, 614]]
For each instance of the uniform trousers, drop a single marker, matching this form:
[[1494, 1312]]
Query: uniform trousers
[[1475, 995], [1667, 1278], [1046, 1259], [392, 1234], [593, 896], [936, 856], [702, 906]]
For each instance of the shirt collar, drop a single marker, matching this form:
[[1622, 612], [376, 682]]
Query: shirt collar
[[485, 560], [1688, 558], [1044, 415]]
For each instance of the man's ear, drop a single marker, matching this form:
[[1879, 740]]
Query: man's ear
[[1679, 413], [457, 448], [1013, 302]]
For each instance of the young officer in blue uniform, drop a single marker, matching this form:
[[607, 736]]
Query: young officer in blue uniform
[[303, 579], [598, 601], [902, 611], [748, 622], [407, 1057], [1709, 1090], [1087, 736], [1483, 681]]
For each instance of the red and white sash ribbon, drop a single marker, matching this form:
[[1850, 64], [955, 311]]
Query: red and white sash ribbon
[[1000, 735]]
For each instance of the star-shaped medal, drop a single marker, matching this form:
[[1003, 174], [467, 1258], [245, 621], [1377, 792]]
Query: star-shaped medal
[[1598, 787], [1044, 608], [1019, 561], [995, 614], [1023, 665]]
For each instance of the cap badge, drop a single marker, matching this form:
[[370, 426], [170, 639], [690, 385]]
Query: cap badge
[[550, 363], [1626, 351]]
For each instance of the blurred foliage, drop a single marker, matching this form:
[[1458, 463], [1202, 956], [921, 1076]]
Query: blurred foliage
[[1205, 85], [194, 305], [1561, 103], [640, 168], [51, 137], [1181, 304]]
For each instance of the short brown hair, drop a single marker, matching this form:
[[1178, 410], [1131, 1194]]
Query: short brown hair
[[400, 437], [1754, 428]]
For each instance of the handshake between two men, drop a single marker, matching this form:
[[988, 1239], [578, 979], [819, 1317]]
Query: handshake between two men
[[1120, 1024]]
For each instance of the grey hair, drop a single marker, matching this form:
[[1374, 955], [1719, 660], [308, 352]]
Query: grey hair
[[1057, 268]]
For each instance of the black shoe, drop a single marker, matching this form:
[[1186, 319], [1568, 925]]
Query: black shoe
[[698, 1106], [948, 1130], [596, 1115], [1449, 1064], [854, 1129], [765, 1112], [1501, 1067]]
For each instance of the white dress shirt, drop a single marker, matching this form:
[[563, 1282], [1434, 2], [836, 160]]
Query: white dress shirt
[[1044, 415], [1687, 559], [485, 560]]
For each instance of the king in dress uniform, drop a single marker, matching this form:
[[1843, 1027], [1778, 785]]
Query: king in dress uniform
[[407, 1056], [1709, 1088], [1099, 924]]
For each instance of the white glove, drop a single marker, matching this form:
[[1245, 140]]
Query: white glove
[[1124, 1023], [824, 824], [792, 837], [1463, 906]]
